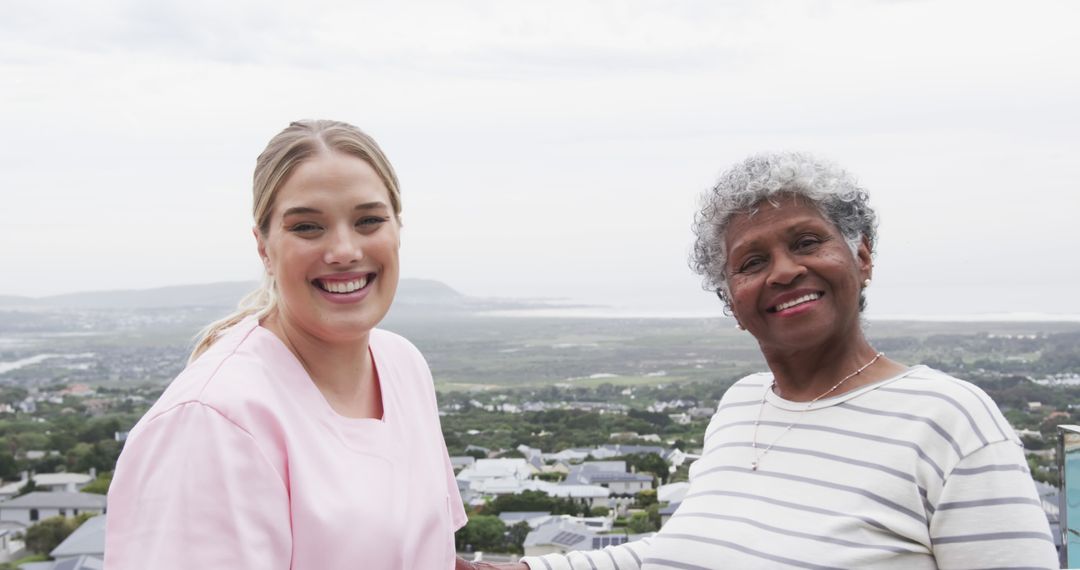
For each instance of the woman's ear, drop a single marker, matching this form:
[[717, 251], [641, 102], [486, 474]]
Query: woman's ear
[[261, 245], [865, 259]]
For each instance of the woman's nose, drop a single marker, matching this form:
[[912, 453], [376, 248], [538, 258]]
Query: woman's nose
[[343, 248], [785, 270]]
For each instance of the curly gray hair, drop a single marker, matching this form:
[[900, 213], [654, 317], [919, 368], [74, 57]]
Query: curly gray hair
[[768, 176]]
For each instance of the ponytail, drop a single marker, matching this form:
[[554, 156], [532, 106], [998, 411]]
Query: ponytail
[[259, 302]]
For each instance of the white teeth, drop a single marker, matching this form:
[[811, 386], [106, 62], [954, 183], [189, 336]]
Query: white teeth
[[804, 299], [344, 286]]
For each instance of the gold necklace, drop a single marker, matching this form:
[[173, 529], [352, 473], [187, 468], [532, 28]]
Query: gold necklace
[[753, 444]]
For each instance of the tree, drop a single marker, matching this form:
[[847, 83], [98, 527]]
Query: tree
[[9, 468], [639, 523], [43, 537], [657, 419], [606, 390], [1033, 443], [62, 440], [100, 485], [100, 455], [650, 463], [515, 537], [48, 464], [482, 532], [654, 515], [99, 429], [13, 394], [32, 440], [534, 501], [29, 487], [646, 498]]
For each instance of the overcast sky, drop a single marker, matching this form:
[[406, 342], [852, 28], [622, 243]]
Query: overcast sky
[[547, 149]]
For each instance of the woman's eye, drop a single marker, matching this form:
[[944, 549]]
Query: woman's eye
[[751, 264], [806, 242], [304, 228], [371, 221]]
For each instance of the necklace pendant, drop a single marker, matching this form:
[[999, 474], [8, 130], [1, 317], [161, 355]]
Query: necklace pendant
[[753, 466]]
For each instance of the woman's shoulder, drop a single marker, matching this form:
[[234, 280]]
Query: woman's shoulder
[[399, 361], [929, 382], [243, 369], [395, 351], [957, 405], [756, 382], [393, 344], [747, 389]]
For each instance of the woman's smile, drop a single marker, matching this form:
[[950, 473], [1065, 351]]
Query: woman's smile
[[800, 301], [346, 288]]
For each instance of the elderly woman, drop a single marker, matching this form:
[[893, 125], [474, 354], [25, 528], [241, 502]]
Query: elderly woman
[[838, 456]]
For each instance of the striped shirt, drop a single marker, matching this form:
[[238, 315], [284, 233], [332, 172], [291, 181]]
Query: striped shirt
[[916, 471]]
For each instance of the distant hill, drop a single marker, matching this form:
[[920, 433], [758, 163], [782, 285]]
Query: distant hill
[[428, 292], [205, 295], [412, 294], [14, 301]]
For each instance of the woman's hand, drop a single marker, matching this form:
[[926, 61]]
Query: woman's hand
[[465, 565]]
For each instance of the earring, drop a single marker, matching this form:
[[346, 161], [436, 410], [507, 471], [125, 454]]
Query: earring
[[866, 283]]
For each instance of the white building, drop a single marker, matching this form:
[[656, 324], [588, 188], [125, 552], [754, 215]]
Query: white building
[[536, 520], [568, 455], [621, 483], [12, 546], [672, 492], [459, 462], [87, 540], [84, 549], [484, 469], [33, 507], [611, 475], [594, 495], [565, 537], [49, 482]]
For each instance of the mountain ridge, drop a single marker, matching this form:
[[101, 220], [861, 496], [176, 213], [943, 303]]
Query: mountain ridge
[[411, 292]]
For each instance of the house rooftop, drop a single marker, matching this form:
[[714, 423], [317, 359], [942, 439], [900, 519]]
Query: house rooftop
[[574, 536], [89, 538], [609, 477], [518, 516], [80, 563], [670, 509], [48, 480], [462, 460], [57, 500]]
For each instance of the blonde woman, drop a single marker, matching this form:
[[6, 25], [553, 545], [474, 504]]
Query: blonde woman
[[299, 436]]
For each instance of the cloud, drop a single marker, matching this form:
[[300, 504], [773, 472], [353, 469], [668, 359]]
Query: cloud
[[551, 148]]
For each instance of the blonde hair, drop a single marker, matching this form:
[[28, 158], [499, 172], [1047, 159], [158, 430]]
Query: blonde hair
[[299, 141]]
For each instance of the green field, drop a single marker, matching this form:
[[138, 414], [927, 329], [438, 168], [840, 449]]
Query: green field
[[486, 353]]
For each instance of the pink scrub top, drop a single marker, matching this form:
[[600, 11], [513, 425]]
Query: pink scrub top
[[242, 464]]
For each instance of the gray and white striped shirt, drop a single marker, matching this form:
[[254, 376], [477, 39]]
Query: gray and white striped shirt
[[917, 471]]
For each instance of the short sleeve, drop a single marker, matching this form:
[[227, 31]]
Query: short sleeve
[[458, 518], [193, 490], [989, 514], [425, 384], [627, 556]]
